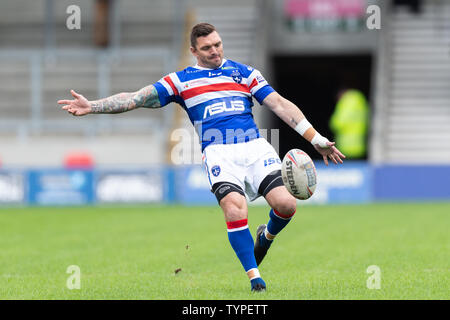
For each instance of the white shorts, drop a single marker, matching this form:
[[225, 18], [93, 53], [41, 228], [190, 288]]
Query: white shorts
[[245, 164]]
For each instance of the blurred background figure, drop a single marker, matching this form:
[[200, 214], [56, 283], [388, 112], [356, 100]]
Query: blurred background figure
[[349, 123]]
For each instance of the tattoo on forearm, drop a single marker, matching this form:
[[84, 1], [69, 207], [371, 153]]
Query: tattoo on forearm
[[115, 104], [293, 121], [126, 101], [147, 98]]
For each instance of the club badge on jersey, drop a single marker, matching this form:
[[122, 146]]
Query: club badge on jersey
[[236, 76]]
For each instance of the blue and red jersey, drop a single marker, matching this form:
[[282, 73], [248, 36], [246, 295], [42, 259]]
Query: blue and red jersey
[[217, 101]]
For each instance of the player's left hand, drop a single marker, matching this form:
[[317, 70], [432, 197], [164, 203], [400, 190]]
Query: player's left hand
[[78, 107], [330, 151]]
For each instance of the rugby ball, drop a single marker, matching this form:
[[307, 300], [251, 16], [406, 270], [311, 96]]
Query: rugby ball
[[299, 174]]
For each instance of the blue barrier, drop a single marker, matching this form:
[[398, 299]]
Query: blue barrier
[[131, 186], [192, 186], [353, 182], [349, 183], [60, 187], [412, 182], [12, 187]]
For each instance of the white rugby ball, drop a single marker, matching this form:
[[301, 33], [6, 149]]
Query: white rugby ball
[[299, 174]]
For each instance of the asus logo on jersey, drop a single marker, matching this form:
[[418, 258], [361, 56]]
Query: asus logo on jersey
[[220, 107]]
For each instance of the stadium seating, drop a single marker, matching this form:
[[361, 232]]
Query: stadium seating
[[15, 102], [40, 60], [417, 76]]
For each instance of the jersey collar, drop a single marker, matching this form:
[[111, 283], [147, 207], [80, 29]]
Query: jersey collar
[[203, 68]]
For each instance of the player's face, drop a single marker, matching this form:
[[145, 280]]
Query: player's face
[[209, 50]]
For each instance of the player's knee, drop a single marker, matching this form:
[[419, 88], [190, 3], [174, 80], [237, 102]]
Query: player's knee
[[286, 206], [235, 214], [234, 207]]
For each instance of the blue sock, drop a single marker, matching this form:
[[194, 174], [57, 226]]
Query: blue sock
[[276, 223], [241, 241]]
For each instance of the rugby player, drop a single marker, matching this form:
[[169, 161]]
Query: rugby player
[[217, 95]]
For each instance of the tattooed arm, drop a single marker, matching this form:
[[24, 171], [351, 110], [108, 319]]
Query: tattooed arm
[[284, 109], [146, 97]]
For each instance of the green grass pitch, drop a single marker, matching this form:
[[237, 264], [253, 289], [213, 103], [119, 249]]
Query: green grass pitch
[[133, 252]]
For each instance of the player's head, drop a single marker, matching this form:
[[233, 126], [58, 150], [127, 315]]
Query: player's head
[[206, 45]]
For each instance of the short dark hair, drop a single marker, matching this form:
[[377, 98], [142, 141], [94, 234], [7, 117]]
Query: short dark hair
[[201, 30]]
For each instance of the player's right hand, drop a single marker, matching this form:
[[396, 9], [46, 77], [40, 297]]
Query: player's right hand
[[330, 151], [78, 107]]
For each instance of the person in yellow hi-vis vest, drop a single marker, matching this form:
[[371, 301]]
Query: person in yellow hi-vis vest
[[349, 123]]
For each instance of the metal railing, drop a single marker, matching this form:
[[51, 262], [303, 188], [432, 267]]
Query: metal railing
[[36, 60], [381, 87]]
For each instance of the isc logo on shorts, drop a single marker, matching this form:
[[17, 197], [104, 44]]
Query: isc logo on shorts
[[270, 161], [220, 107]]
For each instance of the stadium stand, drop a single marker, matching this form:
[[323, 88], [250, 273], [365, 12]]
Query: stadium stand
[[412, 114], [41, 59]]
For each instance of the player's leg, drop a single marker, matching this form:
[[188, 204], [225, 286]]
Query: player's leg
[[283, 208], [266, 173], [234, 205]]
